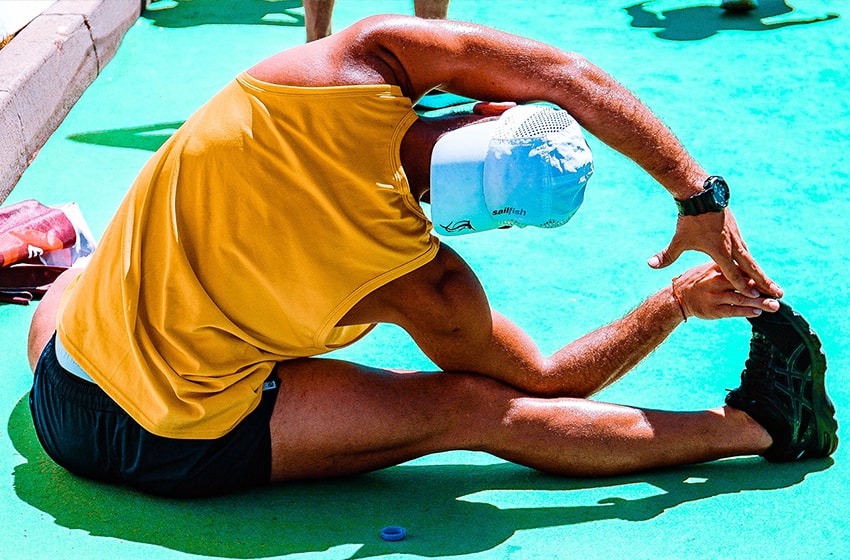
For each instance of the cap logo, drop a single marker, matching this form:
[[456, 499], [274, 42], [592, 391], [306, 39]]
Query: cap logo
[[509, 210], [455, 227], [527, 168]]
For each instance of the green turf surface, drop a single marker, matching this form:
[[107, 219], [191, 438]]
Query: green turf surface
[[758, 100]]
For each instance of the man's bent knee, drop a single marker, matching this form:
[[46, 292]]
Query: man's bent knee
[[43, 323]]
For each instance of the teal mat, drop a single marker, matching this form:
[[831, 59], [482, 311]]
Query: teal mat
[[760, 98]]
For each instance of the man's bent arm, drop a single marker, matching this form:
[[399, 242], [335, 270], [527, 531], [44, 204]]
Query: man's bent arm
[[487, 64]]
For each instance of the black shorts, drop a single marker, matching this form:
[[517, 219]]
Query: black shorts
[[86, 432]]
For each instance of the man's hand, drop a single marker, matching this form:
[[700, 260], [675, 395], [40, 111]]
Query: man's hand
[[716, 234], [706, 293], [492, 108]]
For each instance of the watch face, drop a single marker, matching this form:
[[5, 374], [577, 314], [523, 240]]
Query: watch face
[[721, 192]]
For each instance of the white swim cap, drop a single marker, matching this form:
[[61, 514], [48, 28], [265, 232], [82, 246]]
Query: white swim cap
[[528, 168]]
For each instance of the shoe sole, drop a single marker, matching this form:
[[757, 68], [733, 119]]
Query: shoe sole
[[824, 411]]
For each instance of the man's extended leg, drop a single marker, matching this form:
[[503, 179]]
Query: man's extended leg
[[784, 388], [335, 418]]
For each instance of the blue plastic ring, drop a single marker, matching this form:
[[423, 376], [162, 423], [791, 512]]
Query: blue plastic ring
[[393, 533]]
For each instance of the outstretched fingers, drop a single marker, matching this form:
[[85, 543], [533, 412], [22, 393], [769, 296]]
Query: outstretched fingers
[[717, 235], [748, 268], [747, 276], [708, 294], [736, 304]]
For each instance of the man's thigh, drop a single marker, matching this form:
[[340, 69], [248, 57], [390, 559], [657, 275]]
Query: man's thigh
[[335, 418]]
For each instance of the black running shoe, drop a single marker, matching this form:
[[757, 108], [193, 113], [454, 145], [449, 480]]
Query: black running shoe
[[782, 387]]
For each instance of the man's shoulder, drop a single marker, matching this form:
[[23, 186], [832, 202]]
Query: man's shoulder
[[387, 30]]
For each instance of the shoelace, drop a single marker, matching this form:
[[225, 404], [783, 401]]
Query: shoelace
[[758, 364]]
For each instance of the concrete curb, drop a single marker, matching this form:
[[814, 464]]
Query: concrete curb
[[45, 69]]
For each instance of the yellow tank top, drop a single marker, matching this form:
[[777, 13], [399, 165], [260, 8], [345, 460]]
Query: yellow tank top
[[244, 240]]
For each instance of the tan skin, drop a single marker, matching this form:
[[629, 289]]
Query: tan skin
[[497, 392]]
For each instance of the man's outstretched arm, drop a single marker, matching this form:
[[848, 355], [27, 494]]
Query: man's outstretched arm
[[444, 309], [601, 357]]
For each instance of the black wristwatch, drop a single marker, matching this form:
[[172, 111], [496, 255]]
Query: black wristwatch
[[713, 198]]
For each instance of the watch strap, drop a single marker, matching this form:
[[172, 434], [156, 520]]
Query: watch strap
[[703, 202]]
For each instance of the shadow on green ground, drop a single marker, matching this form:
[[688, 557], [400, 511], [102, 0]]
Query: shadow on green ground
[[693, 23], [147, 137], [447, 509], [190, 13]]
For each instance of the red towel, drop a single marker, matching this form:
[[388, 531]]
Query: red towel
[[28, 229]]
